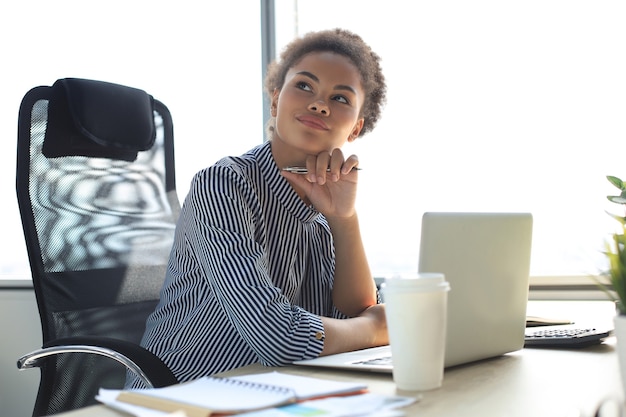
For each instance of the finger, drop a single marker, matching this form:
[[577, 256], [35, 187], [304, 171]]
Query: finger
[[351, 162], [311, 163], [335, 165], [321, 165]]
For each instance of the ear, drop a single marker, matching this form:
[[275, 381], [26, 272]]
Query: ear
[[274, 102], [356, 130]]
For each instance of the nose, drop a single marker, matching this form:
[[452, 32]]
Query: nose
[[319, 107]]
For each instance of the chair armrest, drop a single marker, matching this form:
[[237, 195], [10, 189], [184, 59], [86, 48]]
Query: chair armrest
[[146, 365]]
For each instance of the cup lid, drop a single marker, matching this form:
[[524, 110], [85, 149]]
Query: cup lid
[[422, 280]]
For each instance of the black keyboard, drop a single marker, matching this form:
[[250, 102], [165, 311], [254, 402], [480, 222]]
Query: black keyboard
[[565, 337]]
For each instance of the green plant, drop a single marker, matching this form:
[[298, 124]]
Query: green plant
[[616, 252]]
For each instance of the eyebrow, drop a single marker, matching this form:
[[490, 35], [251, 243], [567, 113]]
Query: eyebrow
[[337, 87]]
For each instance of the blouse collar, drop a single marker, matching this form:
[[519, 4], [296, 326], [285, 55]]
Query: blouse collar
[[280, 187]]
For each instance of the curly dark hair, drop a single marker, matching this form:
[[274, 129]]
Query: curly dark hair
[[347, 44]]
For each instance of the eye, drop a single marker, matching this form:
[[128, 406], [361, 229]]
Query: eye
[[303, 86], [341, 99]]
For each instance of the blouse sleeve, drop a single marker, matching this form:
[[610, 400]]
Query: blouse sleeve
[[227, 238]]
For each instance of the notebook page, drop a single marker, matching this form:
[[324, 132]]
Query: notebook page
[[304, 387], [214, 394]]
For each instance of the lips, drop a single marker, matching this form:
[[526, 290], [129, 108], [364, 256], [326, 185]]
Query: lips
[[313, 122]]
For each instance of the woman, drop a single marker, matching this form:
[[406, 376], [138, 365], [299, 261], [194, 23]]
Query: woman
[[268, 265]]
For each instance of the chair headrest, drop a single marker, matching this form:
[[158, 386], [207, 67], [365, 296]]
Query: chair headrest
[[98, 119]]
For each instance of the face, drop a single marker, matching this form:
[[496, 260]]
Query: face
[[318, 107]]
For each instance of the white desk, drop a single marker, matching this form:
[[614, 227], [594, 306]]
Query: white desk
[[530, 382]]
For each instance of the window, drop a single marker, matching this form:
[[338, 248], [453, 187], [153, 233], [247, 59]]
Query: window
[[492, 106], [201, 59]]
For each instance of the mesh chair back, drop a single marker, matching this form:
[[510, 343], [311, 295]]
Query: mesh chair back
[[98, 224]]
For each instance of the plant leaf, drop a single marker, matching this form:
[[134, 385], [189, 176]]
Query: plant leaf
[[621, 199], [620, 219], [616, 182]]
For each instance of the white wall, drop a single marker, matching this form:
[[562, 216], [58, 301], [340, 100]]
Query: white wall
[[21, 333]]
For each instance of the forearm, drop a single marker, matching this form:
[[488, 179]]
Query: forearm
[[367, 330], [354, 289]]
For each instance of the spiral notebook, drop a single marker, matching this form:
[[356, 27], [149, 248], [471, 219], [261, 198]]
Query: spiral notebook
[[206, 396]]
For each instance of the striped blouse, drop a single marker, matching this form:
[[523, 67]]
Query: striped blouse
[[250, 272]]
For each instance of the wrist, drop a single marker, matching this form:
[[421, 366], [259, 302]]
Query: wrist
[[342, 220]]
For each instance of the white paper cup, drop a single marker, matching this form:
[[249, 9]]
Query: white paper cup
[[416, 307]]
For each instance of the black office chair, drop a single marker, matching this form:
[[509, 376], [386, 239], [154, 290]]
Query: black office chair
[[97, 199]]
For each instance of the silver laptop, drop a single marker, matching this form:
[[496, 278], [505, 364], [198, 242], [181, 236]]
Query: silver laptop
[[486, 259]]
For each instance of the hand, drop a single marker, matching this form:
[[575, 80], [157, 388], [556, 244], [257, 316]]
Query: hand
[[330, 184], [376, 313]]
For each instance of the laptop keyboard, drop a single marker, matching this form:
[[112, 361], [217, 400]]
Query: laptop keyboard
[[382, 361]]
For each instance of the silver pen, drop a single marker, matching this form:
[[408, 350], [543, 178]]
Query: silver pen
[[303, 170]]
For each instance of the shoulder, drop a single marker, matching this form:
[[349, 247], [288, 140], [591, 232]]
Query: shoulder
[[238, 169], [236, 179]]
